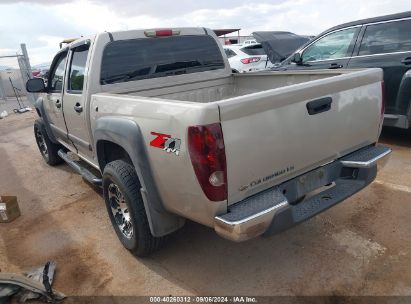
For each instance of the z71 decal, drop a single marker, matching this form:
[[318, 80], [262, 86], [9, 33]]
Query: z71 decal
[[166, 142]]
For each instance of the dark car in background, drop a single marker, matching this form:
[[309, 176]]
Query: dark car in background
[[278, 45], [383, 42]]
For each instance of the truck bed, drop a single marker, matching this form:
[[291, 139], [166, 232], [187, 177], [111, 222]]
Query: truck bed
[[229, 87]]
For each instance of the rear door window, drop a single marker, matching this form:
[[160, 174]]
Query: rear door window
[[77, 68], [136, 59], [230, 53], [386, 37]]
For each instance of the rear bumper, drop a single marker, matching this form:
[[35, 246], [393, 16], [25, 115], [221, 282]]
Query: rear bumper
[[281, 207]]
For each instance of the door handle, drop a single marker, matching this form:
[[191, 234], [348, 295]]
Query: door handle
[[319, 105], [78, 108], [335, 66], [406, 61], [58, 104]]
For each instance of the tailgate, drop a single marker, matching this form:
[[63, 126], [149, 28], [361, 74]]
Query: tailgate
[[275, 135]]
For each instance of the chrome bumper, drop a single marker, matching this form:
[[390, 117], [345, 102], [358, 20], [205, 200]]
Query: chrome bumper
[[270, 211], [249, 226], [378, 155]]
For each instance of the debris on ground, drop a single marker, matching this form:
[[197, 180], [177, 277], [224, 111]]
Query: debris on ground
[[33, 285], [22, 110], [9, 209], [4, 114]]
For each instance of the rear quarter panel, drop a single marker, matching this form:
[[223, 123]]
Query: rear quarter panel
[[174, 176]]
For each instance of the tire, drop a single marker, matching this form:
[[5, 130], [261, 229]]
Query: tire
[[47, 148], [125, 207]]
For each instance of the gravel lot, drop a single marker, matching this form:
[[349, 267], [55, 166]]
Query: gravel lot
[[360, 247]]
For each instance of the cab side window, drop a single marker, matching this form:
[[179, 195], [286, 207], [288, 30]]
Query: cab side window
[[386, 37], [332, 46], [55, 83], [77, 69]]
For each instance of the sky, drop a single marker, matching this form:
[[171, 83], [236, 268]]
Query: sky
[[42, 24]]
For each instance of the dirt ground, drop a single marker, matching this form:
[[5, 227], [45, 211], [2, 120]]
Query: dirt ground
[[360, 247]]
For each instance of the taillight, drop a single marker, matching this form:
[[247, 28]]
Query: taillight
[[161, 33], [250, 60], [207, 153]]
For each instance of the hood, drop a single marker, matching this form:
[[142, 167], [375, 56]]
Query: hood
[[279, 45]]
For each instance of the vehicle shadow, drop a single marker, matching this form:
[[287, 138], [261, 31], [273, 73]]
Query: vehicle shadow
[[396, 136], [198, 260]]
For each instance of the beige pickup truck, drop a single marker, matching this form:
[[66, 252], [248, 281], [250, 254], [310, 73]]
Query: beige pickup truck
[[156, 118]]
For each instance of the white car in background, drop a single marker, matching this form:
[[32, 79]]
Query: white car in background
[[248, 58], [249, 42]]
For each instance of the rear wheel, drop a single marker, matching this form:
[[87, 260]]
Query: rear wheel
[[125, 207], [47, 148]]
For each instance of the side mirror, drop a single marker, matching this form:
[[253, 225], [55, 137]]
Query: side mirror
[[35, 85], [297, 58]]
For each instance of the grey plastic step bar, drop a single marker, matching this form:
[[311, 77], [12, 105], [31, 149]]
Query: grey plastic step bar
[[85, 173], [269, 212]]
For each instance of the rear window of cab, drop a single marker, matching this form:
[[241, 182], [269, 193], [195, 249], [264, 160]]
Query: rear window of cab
[[136, 59]]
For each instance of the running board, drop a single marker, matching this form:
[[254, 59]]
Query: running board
[[84, 172]]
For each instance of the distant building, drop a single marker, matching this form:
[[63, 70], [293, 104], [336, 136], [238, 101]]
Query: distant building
[[232, 39]]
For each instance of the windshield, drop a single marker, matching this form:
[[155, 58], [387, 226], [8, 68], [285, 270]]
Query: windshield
[[136, 59]]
